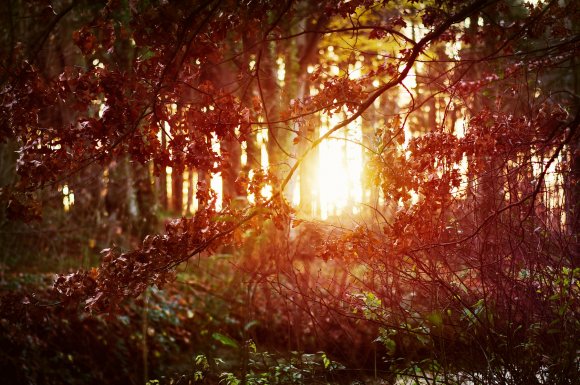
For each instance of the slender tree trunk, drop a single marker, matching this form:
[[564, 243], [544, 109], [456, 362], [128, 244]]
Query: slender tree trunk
[[270, 95], [146, 205], [190, 190], [163, 178], [231, 153], [177, 190]]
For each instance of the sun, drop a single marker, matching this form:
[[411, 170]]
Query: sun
[[340, 168]]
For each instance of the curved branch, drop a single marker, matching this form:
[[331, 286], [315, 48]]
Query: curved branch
[[417, 49]]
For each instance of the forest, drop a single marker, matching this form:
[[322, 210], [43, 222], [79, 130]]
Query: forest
[[249, 192]]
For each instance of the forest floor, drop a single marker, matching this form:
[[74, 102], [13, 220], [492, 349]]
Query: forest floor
[[160, 337]]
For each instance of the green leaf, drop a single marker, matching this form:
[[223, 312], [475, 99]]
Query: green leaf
[[225, 340], [250, 325], [391, 345], [325, 361], [435, 318]]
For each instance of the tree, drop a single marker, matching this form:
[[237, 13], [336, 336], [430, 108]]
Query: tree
[[477, 162]]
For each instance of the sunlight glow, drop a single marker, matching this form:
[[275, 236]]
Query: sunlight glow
[[452, 49], [262, 139], [340, 169], [296, 193], [281, 71], [169, 182], [462, 167], [216, 182], [244, 156], [189, 175], [554, 197], [68, 198], [266, 191]]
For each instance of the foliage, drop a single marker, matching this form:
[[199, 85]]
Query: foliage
[[48, 344], [463, 265]]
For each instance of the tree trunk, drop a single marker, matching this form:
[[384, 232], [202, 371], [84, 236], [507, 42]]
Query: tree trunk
[[163, 200], [177, 190]]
